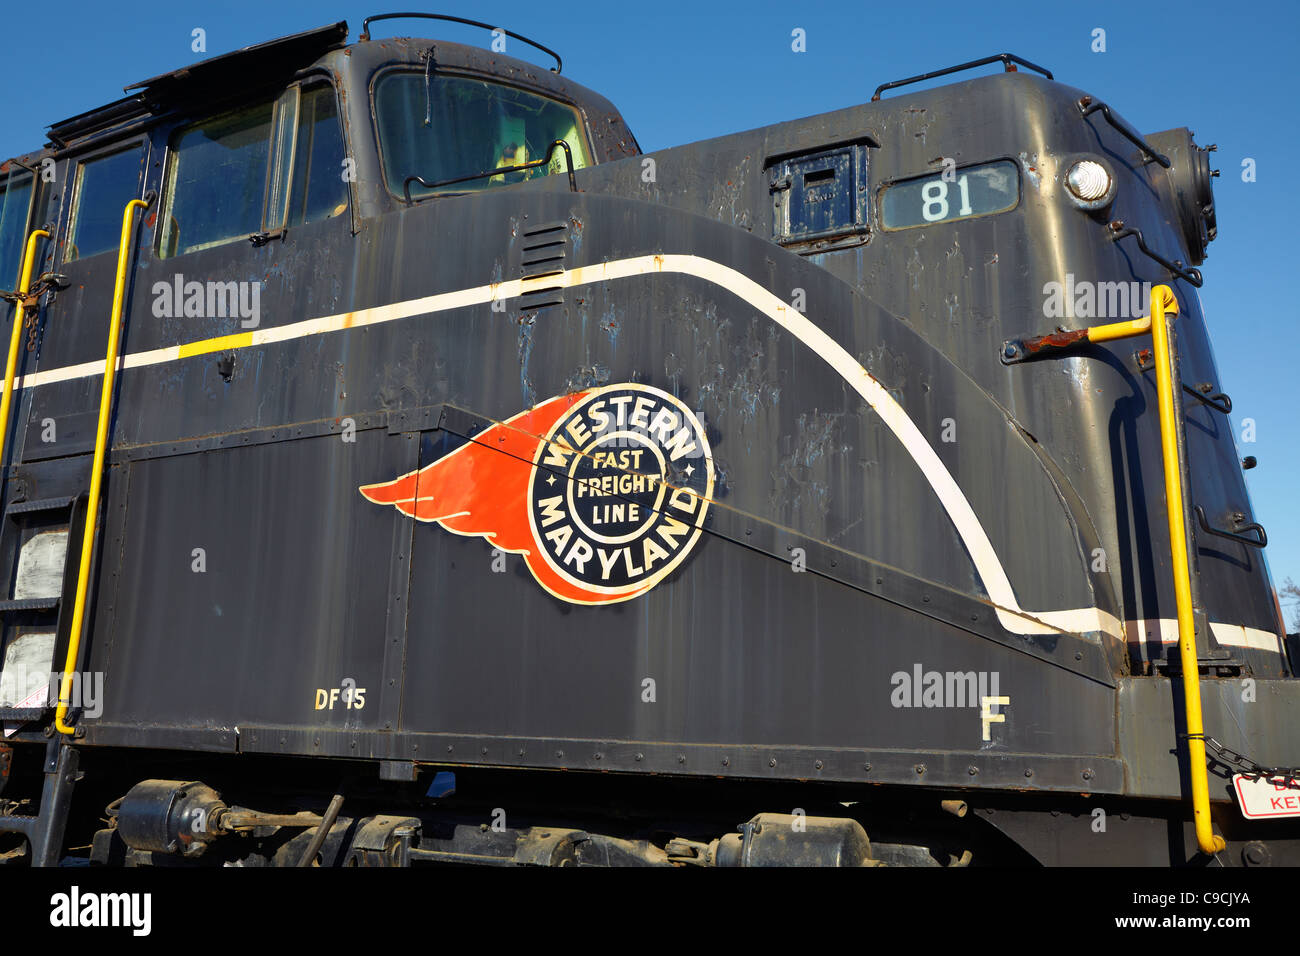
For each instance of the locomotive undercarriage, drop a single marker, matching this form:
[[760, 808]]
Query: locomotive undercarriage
[[123, 817]]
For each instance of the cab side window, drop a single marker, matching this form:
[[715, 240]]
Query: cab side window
[[255, 170], [101, 189], [216, 181], [318, 160], [15, 210]]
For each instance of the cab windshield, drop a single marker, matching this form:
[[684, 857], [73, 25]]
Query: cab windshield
[[447, 127]]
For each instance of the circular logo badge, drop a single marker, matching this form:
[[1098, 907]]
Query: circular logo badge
[[620, 488]]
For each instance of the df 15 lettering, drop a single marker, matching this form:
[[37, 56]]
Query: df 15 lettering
[[349, 696]]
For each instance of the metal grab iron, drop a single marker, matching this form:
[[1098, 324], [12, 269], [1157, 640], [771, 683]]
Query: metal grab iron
[[1088, 106], [1119, 231], [1203, 392], [365, 30], [1008, 61], [1259, 541], [500, 171]]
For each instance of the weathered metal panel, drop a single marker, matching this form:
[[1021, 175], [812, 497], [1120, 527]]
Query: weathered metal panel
[[1250, 716]]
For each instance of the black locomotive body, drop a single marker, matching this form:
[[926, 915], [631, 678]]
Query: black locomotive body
[[452, 433]]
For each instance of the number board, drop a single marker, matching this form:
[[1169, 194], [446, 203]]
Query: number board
[[957, 194]]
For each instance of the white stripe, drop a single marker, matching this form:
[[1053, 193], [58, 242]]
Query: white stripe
[[972, 533], [987, 566], [1164, 631], [1235, 635]]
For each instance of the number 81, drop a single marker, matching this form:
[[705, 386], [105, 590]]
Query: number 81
[[935, 195]]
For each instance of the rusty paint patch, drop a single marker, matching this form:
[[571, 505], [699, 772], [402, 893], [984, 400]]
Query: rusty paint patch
[[1031, 168], [1056, 340]]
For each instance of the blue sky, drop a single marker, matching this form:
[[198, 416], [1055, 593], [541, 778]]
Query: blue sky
[[686, 71]]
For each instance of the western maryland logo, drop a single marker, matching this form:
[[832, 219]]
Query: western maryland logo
[[604, 491]]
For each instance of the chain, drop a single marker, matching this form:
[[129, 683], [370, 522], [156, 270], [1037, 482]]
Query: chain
[[30, 302], [1245, 765], [31, 319]]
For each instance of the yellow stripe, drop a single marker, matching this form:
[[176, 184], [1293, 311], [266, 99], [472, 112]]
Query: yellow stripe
[[222, 342]]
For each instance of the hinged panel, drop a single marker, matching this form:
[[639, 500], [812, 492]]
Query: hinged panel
[[819, 200]]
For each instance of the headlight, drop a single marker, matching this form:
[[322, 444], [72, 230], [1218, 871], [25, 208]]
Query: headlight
[[1088, 180]]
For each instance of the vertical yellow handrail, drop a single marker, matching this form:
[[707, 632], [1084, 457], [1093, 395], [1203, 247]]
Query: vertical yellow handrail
[[97, 467], [15, 337], [1162, 303]]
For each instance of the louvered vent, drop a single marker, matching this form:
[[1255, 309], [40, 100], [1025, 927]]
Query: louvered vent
[[541, 262]]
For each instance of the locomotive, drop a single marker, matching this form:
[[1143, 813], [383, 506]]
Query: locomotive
[[402, 467]]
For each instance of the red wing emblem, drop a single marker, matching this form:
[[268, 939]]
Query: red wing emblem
[[604, 491]]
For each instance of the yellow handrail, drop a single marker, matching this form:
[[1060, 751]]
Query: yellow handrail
[[97, 468], [15, 337], [1163, 301], [1122, 330]]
